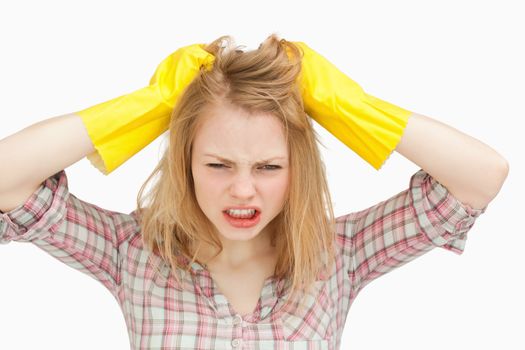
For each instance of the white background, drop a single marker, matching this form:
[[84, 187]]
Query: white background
[[460, 62]]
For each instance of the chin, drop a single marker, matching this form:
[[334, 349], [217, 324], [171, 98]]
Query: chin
[[239, 234]]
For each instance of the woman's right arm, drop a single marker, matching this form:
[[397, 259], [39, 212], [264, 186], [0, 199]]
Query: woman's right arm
[[29, 156], [38, 208]]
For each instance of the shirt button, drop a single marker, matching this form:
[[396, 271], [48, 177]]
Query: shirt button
[[237, 319], [236, 342]]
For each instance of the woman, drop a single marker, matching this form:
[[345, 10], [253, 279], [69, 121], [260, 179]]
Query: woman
[[236, 245]]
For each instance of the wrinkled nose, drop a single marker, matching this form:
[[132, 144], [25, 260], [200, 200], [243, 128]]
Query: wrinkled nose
[[243, 187]]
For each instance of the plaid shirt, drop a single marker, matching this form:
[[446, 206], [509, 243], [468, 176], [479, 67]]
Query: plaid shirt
[[107, 246]]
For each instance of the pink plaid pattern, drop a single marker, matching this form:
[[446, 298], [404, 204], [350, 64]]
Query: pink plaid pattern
[[107, 246]]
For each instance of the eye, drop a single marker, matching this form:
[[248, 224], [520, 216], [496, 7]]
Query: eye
[[214, 165], [273, 167], [219, 166]]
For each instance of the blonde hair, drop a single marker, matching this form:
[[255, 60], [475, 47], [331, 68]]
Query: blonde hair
[[262, 80]]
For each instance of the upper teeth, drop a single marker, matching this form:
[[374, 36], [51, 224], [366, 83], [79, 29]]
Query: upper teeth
[[244, 212]]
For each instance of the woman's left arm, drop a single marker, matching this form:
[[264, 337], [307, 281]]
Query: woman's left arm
[[471, 170]]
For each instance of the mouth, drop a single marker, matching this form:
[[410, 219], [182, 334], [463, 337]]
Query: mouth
[[242, 222], [242, 212]]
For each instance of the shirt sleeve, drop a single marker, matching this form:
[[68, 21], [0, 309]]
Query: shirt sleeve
[[80, 234], [407, 225]]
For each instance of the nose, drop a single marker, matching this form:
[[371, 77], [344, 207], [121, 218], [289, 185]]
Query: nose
[[243, 186]]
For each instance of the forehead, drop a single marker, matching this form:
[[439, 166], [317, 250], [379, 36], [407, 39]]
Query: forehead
[[232, 133]]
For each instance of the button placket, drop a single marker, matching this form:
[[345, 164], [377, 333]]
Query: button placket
[[237, 323], [236, 343], [237, 320]]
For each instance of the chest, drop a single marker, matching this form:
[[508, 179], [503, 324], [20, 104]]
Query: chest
[[242, 292], [242, 288]]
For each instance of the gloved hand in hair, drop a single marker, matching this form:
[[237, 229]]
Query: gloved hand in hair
[[121, 127], [368, 125]]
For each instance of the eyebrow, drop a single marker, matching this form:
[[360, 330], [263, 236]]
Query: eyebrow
[[232, 162]]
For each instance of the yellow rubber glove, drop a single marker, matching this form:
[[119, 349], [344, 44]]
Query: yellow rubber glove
[[121, 127], [369, 126]]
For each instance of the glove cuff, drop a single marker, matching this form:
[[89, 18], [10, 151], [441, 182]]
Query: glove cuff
[[121, 127]]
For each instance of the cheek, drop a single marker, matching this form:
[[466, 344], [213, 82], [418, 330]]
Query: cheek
[[202, 179], [278, 188], [203, 187], [209, 192]]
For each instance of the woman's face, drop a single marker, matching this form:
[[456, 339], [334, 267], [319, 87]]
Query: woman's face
[[247, 179]]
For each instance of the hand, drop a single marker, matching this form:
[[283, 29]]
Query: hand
[[177, 71], [121, 127], [369, 126]]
